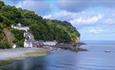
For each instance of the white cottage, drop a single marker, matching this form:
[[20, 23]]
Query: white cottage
[[29, 41], [28, 44], [28, 36]]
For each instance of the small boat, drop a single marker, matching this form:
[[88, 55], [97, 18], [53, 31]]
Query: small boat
[[107, 51]]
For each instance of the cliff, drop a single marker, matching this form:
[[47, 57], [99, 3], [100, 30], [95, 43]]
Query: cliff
[[42, 29]]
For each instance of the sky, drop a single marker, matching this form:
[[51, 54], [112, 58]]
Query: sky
[[94, 19]]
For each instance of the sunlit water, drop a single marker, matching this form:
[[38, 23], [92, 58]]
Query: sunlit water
[[93, 59]]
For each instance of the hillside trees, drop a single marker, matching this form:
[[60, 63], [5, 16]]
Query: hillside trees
[[42, 29]]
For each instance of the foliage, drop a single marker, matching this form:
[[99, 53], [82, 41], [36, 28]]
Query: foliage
[[19, 37], [4, 44], [1, 4], [42, 29]]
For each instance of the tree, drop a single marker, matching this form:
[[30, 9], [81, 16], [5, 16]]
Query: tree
[[42, 29], [1, 4]]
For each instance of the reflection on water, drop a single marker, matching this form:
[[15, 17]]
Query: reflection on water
[[94, 59]]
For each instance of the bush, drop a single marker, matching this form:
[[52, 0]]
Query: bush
[[4, 45]]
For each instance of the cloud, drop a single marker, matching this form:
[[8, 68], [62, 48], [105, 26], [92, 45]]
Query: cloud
[[90, 17], [109, 21], [95, 31], [11, 2], [75, 18], [39, 6], [88, 20], [62, 15], [79, 5]]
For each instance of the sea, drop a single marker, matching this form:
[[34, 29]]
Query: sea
[[100, 56]]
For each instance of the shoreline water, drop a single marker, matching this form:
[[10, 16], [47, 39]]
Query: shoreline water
[[9, 55], [94, 59]]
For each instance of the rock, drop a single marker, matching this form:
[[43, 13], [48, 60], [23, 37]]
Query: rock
[[70, 47]]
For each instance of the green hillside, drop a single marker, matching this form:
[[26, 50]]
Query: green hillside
[[42, 29]]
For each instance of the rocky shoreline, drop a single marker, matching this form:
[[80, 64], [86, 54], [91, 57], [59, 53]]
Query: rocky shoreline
[[71, 47]]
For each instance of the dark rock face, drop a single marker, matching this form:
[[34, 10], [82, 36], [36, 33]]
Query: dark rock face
[[75, 48]]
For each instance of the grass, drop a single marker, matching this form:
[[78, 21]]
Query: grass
[[4, 62]]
